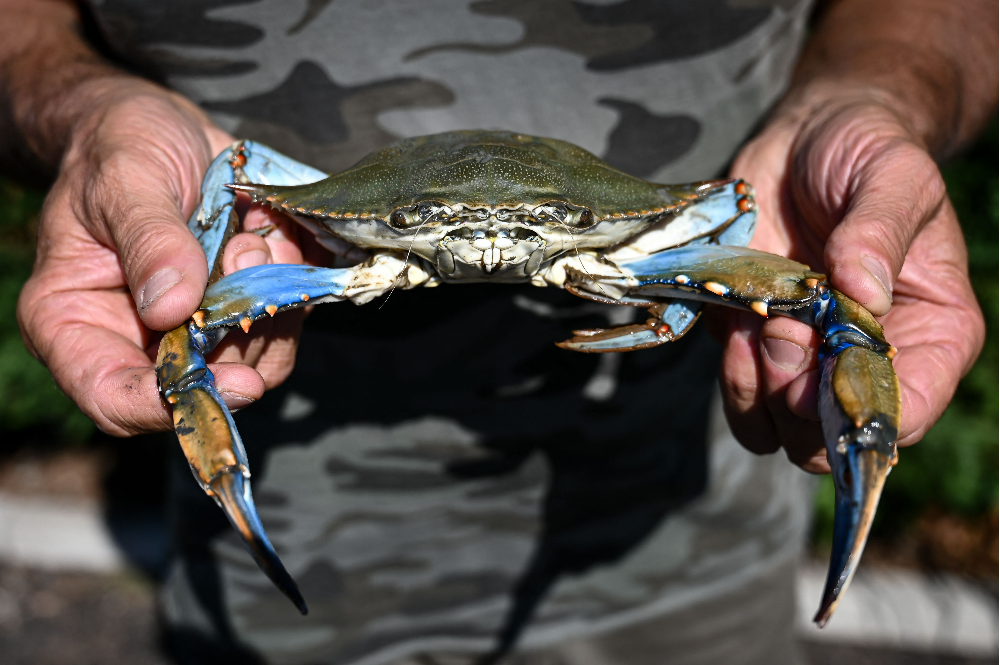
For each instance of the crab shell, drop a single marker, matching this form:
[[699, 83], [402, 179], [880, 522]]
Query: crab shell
[[487, 206]]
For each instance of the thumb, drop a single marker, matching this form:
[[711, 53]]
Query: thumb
[[163, 263], [892, 194]]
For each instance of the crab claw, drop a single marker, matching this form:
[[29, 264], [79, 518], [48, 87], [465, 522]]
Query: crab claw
[[231, 490], [858, 477], [212, 444], [859, 404]]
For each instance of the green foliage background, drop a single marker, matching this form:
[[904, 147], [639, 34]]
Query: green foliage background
[[953, 468], [29, 399]]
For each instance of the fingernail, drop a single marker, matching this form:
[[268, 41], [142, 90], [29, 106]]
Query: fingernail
[[254, 257], [157, 285], [235, 401], [786, 355], [875, 269]]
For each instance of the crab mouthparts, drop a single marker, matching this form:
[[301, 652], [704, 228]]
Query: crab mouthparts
[[494, 251], [492, 243]]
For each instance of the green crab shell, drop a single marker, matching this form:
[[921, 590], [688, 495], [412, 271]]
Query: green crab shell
[[477, 169]]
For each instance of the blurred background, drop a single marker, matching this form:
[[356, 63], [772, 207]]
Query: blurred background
[[84, 534]]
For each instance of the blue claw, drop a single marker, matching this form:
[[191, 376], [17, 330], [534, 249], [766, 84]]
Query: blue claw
[[231, 490], [212, 445], [861, 449]]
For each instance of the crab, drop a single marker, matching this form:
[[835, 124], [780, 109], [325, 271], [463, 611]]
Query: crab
[[490, 206]]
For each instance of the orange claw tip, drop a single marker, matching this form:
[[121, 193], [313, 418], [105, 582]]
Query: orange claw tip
[[891, 353], [305, 297], [172, 399], [271, 309], [811, 283], [245, 323], [760, 307], [199, 318]]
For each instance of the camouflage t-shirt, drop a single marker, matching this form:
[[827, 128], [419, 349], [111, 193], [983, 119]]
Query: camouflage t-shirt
[[436, 475]]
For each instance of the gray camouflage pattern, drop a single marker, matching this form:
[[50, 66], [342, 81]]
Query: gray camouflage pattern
[[457, 524]]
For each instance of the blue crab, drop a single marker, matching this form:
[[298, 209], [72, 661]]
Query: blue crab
[[503, 207]]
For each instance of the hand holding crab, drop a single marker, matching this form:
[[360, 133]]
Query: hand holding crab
[[848, 188]]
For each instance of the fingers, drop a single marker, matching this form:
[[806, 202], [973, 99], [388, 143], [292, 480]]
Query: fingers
[[743, 386], [936, 324], [863, 201], [791, 377], [115, 258], [91, 342], [769, 384], [162, 261], [897, 193], [283, 239], [131, 180]]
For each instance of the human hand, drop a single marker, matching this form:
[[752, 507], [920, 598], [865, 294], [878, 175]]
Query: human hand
[[849, 190], [116, 262]]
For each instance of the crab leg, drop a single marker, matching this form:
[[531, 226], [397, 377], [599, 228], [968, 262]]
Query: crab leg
[[859, 391], [202, 421], [214, 221]]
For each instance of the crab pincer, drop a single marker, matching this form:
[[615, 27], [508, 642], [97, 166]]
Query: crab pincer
[[203, 424], [859, 392], [212, 445], [860, 410]]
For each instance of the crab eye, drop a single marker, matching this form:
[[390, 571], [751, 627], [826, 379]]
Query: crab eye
[[586, 218], [398, 218]]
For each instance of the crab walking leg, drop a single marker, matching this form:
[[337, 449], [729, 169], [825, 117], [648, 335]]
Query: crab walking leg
[[203, 424], [214, 221], [859, 392], [669, 321]]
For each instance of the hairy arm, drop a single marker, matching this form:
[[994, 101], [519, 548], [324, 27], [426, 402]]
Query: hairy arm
[[934, 62]]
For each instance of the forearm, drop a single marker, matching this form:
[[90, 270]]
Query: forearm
[[932, 62], [53, 85], [45, 67]]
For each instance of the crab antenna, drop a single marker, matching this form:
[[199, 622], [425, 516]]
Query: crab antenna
[[406, 260], [576, 248]]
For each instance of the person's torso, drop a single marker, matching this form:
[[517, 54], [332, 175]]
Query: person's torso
[[436, 471]]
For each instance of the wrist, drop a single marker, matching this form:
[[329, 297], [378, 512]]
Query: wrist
[[924, 60], [812, 103], [53, 86]]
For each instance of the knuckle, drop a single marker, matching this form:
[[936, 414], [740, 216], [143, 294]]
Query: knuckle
[[742, 392]]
